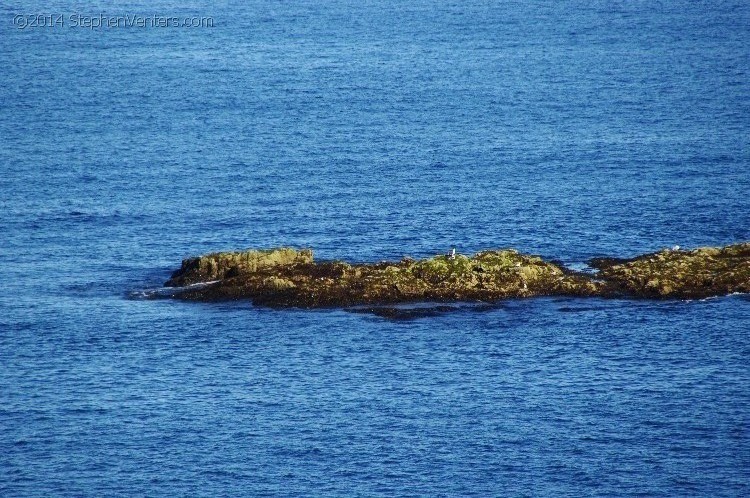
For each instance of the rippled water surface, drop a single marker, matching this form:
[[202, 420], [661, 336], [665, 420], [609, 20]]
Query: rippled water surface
[[370, 130]]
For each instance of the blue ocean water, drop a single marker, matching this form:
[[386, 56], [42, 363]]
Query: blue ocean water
[[370, 130]]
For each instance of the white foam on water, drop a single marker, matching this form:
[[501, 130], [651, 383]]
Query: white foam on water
[[160, 292], [580, 267]]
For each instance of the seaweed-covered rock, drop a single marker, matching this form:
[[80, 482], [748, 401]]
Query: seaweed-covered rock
[[703, 272], [486, 276], [217, 266], [289, 278]]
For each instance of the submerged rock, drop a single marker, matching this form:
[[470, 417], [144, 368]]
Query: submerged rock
[[290, 278]]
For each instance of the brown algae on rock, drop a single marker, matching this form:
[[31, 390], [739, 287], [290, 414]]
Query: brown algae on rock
[[703, 272], [217, 266], [286, 277]]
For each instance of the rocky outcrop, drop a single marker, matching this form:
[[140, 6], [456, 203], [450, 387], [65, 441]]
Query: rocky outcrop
[[222, 265], [285, 277], [290, 278], [700, 273]]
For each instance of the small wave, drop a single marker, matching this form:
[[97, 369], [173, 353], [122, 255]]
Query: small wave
[[572, 309], [139, 295], [741, 295]]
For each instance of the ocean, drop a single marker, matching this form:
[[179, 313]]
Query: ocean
[[368, 131]]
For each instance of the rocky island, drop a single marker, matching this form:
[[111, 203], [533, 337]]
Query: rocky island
[[285, 277]]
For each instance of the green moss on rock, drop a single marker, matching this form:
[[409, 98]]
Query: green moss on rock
[[703, 272], [217, 266], [288, 277], [295, 280]]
